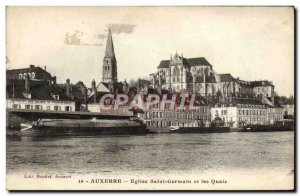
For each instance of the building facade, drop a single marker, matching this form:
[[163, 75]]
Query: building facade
[[40, 105], [198, 116], [274, 114], [289, 109], [30, 94], [240, 115]]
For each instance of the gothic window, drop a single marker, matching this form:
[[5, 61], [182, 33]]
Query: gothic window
[[107, 61], [228, 90], [200, 89], [176, 73], [194, 69]]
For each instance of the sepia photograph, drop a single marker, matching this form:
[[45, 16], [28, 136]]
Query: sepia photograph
[[150, 98]]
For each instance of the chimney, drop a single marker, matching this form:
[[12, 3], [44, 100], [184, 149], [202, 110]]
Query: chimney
[[94, 89], [68, 87], [27, 83], [85, 95], [45, 67], [27, 93]]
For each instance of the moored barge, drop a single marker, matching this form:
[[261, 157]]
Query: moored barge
[[84, 127], [285, 125]]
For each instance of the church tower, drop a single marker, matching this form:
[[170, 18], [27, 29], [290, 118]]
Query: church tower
[[109, 61]]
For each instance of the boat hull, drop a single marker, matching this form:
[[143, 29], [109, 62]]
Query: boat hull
[[85, 127], [268, 128], [202, 130], [87, 130]]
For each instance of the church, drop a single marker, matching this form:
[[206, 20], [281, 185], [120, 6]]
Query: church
[[182, 75], [196, 75], [109, 83]]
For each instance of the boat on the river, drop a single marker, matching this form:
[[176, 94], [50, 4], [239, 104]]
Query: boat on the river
[[178, 129], [166, 129], [284, 125], [202, 130], [84, 126]]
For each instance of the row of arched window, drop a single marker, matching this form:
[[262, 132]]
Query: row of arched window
[[30, 75]]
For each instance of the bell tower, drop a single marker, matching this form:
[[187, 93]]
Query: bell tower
[[109, 62]]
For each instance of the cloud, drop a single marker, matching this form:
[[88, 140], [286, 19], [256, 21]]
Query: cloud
[[121, 28], [101, 36], [81, 38]]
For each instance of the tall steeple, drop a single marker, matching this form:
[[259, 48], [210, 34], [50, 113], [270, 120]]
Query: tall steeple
[[109, 62], [109, 51]]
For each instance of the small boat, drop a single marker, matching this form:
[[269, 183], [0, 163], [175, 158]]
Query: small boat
[[174, 128], [158, 129], [25, 126]]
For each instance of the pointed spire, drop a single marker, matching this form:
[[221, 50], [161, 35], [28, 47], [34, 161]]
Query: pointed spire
[[109, 51]]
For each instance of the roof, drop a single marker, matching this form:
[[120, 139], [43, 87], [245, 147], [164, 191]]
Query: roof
[[198, 61], [118, 86], [261, 83], [164, 64], [226, 77], [98, 97], [247, 101], [42, 90], [109, 51], [39, 73]]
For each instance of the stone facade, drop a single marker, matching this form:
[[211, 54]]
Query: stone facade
[[240, 115], [197, 117]]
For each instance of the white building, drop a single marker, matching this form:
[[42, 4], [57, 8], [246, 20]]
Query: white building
[[241, 114], [36, 104]]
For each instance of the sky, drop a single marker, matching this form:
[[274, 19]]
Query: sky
[[252, 43]]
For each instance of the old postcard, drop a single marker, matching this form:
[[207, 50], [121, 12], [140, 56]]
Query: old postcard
[[150, 98]]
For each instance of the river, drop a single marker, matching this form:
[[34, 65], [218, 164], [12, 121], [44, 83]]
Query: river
[[167, 153]]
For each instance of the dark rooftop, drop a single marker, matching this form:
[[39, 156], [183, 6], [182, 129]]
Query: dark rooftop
[[199, 61]]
